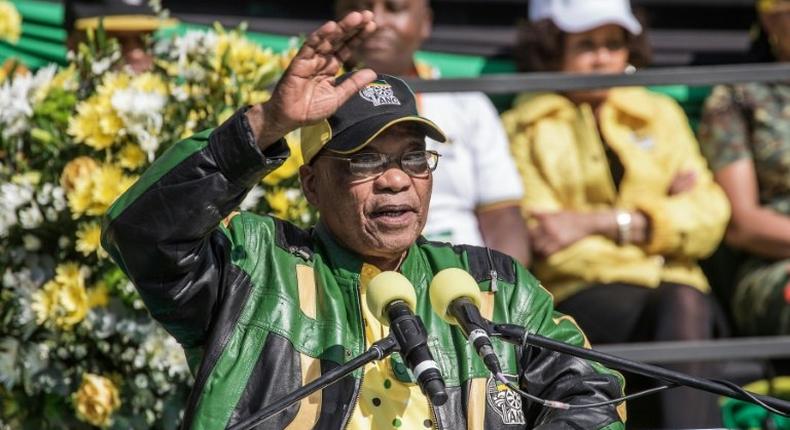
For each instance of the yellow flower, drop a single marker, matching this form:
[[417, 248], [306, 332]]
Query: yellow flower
[[112, 82], [10, 22], [131, 156], [96, 400], [89, 239], [224, 115], [247, 61], [66, 78], [109, 184], [75, 169], [287, 56], [32, 177], [149, 83], [93, 193], [254, 97], [98, 296], [96, 124], [278, 201], [291, 165], [41, 306], [63, 300]]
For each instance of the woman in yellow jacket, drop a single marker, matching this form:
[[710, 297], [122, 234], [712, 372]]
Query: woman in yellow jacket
[[619, 200]]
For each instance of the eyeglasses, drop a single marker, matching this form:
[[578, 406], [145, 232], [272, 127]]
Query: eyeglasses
[[373, 164]]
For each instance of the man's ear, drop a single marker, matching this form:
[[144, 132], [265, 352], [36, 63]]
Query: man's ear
[[308, 179]]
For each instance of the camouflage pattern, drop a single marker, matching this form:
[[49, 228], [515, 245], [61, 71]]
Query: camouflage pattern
[[761, 302], [753, 121]]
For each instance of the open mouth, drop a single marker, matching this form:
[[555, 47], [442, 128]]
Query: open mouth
[[392, 213]]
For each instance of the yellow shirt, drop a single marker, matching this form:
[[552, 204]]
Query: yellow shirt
[[385, 402], [560, 155]]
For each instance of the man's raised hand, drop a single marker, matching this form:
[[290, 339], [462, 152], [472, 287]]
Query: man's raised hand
[[306, 93]]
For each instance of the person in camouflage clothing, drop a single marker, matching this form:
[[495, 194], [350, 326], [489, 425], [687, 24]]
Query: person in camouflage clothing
[[745, 135]]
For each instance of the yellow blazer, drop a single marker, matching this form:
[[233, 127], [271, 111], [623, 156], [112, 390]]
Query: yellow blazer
[[562, 161]]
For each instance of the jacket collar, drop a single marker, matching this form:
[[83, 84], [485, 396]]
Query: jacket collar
[[633, 101], [343, 261], [530, 107], [346, 263]]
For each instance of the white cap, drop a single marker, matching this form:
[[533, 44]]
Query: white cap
[[577, 16]]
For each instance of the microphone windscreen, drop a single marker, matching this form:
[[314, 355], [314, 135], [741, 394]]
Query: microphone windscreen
[[451, 284], [385, 288]]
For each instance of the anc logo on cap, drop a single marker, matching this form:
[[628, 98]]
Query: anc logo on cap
[[379, 93]]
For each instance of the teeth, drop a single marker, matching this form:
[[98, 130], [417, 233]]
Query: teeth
[[391, 213]]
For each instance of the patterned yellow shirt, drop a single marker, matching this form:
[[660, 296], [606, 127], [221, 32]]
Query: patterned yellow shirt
[[384, 401]]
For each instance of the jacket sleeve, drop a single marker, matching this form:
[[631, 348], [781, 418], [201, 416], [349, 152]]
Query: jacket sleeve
[[690, 224], [554, 376], [164, 231]]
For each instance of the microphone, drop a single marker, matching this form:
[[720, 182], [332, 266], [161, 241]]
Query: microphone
[[391, 299], [455, 297]]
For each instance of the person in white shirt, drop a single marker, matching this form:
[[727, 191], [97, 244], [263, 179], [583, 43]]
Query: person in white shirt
[[477, 189]]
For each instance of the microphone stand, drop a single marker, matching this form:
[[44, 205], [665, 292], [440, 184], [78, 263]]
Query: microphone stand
[[377, 351], [518, 335]]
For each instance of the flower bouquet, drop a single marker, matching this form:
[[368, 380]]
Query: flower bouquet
[[77, 346]]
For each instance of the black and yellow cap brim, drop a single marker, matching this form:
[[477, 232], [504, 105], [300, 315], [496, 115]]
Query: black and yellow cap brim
[[319, 136]]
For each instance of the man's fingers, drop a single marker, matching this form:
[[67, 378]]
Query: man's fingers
[[343, 54], [354, 83], [347, 28], [354, 35], [333, 38], [316, 38], [355, 21]]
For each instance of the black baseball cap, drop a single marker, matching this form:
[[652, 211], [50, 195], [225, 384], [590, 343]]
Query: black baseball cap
[[379, 105]]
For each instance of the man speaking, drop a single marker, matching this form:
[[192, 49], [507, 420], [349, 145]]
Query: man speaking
[[262, 307]]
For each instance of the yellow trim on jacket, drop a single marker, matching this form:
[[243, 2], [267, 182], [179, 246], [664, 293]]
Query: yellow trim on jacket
[[563, 165]]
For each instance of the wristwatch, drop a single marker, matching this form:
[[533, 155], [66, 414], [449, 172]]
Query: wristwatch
[[624, 220]]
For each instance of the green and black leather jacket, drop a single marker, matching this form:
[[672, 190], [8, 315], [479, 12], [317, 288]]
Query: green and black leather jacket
[[262, 307]]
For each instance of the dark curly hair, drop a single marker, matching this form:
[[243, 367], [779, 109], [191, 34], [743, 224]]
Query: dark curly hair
[[539, 47]]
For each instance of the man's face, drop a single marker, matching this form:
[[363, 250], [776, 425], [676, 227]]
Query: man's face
[[377, 217], [402, 26]]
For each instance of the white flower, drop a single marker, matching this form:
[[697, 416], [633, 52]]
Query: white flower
[[252, 198], [16, 97], [195, 43], [51, 214], [164, 353], [22, 279], [180, 94], [12, 197], [44, 196], [293, 194], [7, 220], [98, 67], [58, 198], [31, 217], [63, 242], [141, 113], [31, 243]]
